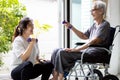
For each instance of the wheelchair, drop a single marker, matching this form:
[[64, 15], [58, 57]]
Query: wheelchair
[[88, 69]]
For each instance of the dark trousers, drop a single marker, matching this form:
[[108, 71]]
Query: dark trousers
[[26, 71]]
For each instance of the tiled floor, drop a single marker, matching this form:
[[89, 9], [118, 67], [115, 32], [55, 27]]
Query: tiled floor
[[7, 77]]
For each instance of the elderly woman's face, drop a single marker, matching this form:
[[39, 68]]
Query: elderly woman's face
[[96, 13]]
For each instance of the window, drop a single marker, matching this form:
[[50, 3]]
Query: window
[[47, 12], [80, 17]]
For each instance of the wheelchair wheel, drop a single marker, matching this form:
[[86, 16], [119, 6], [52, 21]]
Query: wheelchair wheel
[[110, 77], [98, 75], [76, 78], [65, 78]]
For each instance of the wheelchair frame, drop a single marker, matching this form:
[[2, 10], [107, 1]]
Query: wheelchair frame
[[92, 67]]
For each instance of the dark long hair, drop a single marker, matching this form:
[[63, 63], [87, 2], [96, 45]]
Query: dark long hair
[[21, 27]]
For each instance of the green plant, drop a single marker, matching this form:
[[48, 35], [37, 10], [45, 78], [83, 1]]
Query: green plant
[[40, 28], [11, 11], [1, 63]]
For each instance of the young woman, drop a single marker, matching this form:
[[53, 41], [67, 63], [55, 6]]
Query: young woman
[[97, 34], [26, 63]]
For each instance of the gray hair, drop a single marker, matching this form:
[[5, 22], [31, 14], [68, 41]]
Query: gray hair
[[100, 5]]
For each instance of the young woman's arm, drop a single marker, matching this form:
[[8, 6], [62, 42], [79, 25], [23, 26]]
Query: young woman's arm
[[25, 55]]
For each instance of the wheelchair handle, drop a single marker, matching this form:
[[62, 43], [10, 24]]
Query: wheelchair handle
[[79, 43]]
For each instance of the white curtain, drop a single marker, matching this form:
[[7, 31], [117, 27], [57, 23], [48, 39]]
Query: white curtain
[[113, 16]]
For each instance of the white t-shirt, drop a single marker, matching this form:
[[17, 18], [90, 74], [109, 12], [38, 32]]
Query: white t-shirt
[[19, 45]]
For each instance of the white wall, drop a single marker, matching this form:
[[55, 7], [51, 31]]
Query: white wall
[[113, 16]]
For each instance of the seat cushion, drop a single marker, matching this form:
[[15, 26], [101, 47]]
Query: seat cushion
[[96, 56]]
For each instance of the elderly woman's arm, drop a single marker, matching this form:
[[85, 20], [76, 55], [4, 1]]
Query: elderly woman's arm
[[79, 33], [76, 31], [94, 41]]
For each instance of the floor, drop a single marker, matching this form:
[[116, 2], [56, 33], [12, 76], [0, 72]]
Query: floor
[[7, 77]]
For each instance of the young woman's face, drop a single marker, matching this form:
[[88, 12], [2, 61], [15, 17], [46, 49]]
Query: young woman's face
[[29, 30]]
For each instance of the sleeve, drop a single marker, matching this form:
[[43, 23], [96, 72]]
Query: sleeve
[[88, 31], [18, 48], [37, 48], [103, 31]]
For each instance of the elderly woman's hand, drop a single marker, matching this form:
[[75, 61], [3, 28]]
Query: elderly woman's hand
[[72, 50], [67, 24]]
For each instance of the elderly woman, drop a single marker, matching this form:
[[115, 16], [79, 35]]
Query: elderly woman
[[97, 34], [26, 63]]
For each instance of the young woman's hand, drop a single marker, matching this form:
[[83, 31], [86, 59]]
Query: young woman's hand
[[33, 40], [43, 61]]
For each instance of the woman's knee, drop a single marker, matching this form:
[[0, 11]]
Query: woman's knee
[[54, 55], [49, 65], [22, 66], [28, 64], [62, 53], [55, 52]]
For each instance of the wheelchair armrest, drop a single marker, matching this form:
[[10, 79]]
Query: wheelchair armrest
[[96, 46], [79, 43], [106, 48], [100, 46]]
